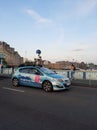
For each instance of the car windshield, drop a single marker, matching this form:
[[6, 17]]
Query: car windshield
[[47, 71]]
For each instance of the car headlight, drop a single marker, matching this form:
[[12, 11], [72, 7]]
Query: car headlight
[[59, 80]]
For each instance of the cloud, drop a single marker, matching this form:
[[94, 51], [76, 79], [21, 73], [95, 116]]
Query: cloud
[[37, 17], [78, 50], [84, 7]]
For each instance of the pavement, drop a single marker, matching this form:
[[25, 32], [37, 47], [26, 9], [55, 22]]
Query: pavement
[[5, 76], [85, 83], [26, 108]]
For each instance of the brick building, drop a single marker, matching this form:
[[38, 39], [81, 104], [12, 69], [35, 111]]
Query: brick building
[[10, 55]]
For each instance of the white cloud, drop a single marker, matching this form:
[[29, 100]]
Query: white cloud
[[37, 17], [85, 7], [78, 50]]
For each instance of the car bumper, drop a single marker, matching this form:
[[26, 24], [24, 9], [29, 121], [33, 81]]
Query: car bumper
[[61, 86]]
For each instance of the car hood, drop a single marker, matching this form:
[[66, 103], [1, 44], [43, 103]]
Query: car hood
[[57, 76]]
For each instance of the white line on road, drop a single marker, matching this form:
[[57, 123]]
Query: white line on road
[[22, 91]]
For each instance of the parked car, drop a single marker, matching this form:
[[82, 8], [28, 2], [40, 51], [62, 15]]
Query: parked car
[[41, 77]]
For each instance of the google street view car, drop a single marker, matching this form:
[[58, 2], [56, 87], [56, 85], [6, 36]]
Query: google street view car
[[36, 76]]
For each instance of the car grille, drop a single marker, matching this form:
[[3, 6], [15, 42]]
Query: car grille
[[59, 86], [65, 85]]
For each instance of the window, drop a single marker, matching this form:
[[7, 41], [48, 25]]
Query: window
[[34, 71], [24, 70], [30, 71]]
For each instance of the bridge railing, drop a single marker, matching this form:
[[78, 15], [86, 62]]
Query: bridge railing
[[84, 75]]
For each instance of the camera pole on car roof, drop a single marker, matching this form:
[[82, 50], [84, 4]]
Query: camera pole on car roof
[[38, 61]]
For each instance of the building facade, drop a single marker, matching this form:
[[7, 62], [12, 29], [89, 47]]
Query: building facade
[[11, 56]]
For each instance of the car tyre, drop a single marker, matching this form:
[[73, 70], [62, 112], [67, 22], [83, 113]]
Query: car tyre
[[47, 86], [15, 82]]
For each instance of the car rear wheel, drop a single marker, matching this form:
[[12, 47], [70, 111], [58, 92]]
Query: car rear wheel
[[47, 86], [15, 82]]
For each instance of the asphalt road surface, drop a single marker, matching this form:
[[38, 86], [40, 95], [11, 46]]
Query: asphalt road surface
[[26, 108]]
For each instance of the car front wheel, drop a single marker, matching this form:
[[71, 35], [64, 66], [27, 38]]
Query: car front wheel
[[15, 82], [47, 86]]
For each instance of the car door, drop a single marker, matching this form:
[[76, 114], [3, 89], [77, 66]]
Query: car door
[[24, 77], [35, 76]]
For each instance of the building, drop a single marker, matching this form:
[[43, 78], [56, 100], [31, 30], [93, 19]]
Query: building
[[11, 56], [58, 65]]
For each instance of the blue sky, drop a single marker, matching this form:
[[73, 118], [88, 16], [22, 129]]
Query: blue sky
[[61, 29]]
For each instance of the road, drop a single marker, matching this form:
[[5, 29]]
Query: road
[[26, 108]]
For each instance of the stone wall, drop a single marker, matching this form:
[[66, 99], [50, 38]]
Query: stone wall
[[11, 56]]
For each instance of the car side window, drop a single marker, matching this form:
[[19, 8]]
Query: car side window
[[34, 71], [24, 70]]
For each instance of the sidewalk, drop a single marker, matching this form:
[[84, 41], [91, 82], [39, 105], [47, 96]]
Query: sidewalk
[[85, 83], [5, 76]]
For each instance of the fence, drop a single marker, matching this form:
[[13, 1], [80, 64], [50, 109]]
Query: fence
[[83, 75], [7, 71]]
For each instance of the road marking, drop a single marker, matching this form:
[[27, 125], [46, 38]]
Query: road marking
[[22, 91]]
